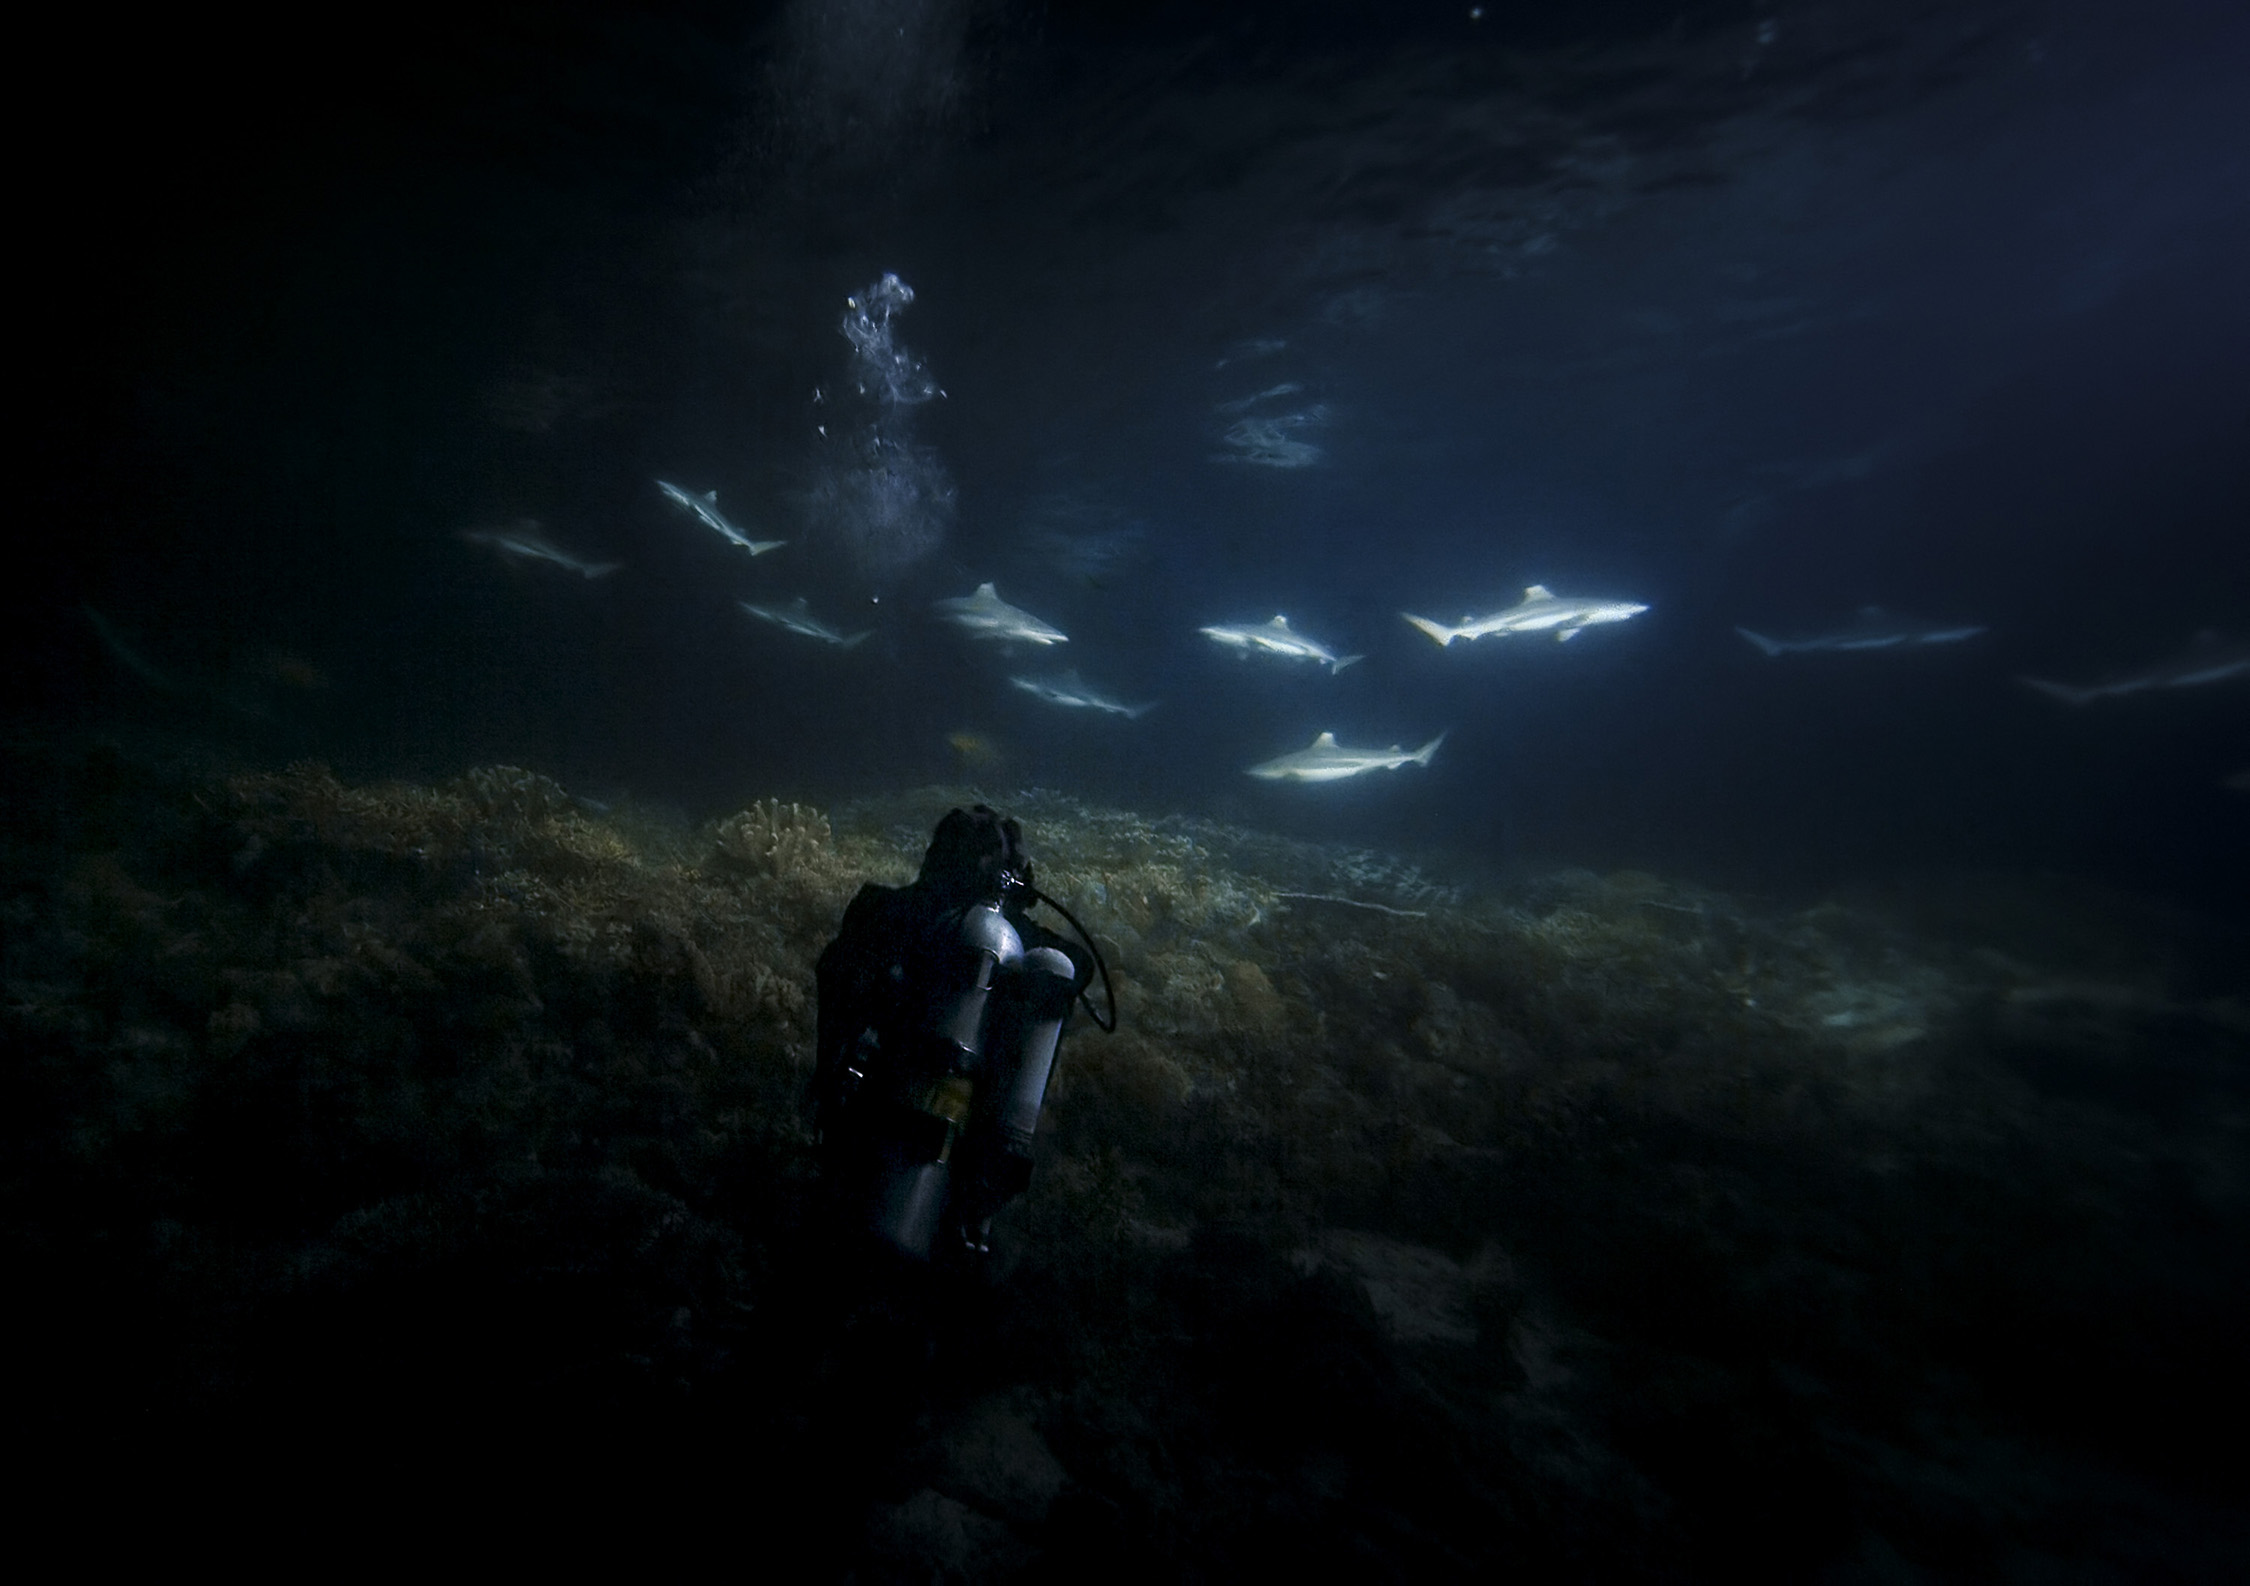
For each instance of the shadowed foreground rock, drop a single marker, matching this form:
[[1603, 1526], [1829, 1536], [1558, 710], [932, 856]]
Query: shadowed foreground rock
[[1606, 1228]]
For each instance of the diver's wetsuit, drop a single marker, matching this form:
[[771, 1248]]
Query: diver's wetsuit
[[901, 1079]]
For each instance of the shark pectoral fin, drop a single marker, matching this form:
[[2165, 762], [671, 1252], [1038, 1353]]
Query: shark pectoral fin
[[1341, 662], [1565, 635], [2061, 691]]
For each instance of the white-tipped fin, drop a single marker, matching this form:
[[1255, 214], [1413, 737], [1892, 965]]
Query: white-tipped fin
[[2062, 691], [987, 589], [1326, 740], [1538, 592]]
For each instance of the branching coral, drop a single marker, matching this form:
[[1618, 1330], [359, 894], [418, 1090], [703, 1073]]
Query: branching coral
[[772, 838]]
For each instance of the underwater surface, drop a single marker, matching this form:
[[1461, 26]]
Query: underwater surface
[[1628, 624]]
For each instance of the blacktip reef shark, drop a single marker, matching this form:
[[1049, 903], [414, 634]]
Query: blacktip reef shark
[[797, 617], [706, 508], [1326, 760], [2209, 659], [1540, 611], [528, 542], [987, 616], [1072, 691], [1275, 638], [1873, 629]]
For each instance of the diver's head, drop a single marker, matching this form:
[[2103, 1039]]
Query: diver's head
[[977, 854]]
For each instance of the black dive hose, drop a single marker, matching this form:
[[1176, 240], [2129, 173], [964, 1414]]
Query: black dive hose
[[1109, 1026]]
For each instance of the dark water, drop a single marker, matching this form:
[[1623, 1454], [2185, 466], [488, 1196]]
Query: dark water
[[1756, 315], [1936, 311]]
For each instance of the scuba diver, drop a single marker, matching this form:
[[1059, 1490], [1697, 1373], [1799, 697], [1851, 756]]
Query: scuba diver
[[942, 1005]]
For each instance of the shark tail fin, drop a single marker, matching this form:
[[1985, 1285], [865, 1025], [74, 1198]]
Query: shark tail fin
[[125, 655], [1436, 630], [600, 569], [1136, 712], [2061, 691], [1341, 662], [856, 638], [1422, 755], [1770, 646]]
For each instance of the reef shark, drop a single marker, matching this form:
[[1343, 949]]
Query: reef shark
[[706, 508], [1276, 638], [1071, 690], [987, 616], [797, 618], [1873, 629], [2209, 659], [1540, 611], [528, 542], [1325, 760]]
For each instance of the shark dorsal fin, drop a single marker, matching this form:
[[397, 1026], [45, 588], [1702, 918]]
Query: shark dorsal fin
[[1538, 592], [1279, 621], [1326, 740], [987, 589], [798, 604], [711, 496]]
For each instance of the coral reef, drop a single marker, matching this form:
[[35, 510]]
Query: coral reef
[[1601, 1226]]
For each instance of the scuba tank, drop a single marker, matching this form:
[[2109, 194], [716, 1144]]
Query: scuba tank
[[913, 1184]]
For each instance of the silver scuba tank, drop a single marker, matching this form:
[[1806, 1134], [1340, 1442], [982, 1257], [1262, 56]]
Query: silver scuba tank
[[912, 1185], [1047, 1003]]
